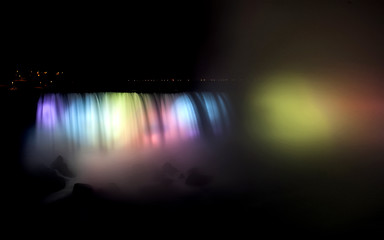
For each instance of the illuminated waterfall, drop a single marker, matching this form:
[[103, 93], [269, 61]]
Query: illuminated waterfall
[[113, 122]]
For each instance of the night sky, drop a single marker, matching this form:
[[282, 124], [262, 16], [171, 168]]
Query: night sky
[[194, 39], [130, 40]]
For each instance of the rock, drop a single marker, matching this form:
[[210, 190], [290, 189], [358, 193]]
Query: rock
[[82, 191], [46, 181], [197, 179], [169, 170], [60, 165], [113, 187], [161, 178], [166, 181]]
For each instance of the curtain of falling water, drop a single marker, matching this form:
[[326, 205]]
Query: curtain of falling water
[[105, 122]]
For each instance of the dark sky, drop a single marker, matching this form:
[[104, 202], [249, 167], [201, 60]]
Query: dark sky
[[190, 39], [146, 40], [143, 41], [131, 39]]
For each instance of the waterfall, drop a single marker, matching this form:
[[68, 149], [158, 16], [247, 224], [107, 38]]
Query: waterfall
[[107, 123]]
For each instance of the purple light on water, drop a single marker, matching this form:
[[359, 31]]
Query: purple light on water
[[49, 111]]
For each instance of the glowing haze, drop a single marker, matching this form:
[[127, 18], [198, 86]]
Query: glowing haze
[[301, 112]]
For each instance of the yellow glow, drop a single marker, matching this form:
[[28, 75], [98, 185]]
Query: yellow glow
[[288, 114]]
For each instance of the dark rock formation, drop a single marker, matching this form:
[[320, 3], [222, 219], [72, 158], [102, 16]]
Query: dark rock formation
[[47, 181], [196, 178], [169, 170], [60, 165], [113, 187], [82, 191], [166, 181]]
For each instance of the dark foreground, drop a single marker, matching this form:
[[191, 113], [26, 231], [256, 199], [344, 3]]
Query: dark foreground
[[268, 200]]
